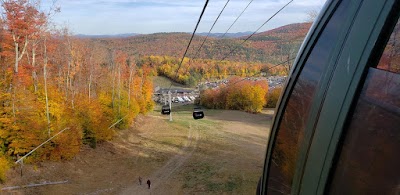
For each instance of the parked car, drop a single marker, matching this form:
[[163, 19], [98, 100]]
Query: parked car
[[175, 100], [180, 99], [337, 124]]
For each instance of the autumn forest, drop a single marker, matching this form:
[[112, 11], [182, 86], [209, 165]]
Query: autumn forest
[[51, 80]]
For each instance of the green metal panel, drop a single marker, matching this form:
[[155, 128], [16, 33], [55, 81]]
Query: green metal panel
[[350, 67], [299, 62], [319, 98]]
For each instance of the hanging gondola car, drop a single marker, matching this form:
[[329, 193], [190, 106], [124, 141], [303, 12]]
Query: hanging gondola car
[[166, 110], [198, 113]]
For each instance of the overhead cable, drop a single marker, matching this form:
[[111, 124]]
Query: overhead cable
[[212, 27], [244, 41], [187, 48], [237, 18], [234, 49]]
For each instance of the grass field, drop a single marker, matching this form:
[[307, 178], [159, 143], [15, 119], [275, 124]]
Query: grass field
[[164, 82], [220, 154]]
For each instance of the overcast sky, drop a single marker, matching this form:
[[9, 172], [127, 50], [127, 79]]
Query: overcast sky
[[149, 16]]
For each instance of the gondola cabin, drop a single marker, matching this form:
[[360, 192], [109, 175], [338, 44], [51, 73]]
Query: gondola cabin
[[166, 110], [198, 114], [336, 129]]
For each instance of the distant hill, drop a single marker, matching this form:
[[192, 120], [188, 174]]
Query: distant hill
[[216, 35], [287, 32], [227, 35], [174, 44], [107, 36], [271, 46], [282, 42]]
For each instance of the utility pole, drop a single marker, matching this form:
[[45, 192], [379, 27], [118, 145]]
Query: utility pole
[[170, 107]]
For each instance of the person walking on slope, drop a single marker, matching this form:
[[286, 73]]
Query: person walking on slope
[[140, 180], [148, 183]]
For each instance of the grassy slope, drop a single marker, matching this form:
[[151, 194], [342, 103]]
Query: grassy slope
[[164, 82], [227, 160]]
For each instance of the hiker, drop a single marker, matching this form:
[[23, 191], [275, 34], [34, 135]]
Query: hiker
[[140, 180], [148, 183]]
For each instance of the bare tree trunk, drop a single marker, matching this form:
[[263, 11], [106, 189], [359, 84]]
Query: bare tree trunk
[[59, 76], [131, 69], [113, 77], [13, 100], [90, 85], [119, 89], [68, 79], [113, 88], [68, 76], [18, 56], [34, 74], [141, 84], [72, 86], [73, 91], [90, 78], [45, 60]]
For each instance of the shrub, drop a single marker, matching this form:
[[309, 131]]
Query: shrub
[[273, 97], [4, 166], [242, 95]]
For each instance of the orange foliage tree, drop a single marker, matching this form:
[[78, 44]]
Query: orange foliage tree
[[273, 97], [249, 96]]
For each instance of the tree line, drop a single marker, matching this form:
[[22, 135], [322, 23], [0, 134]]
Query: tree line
[[238, 94], [193, 71]]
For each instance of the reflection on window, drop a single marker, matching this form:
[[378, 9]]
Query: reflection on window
[[390, 59], [369, 162], [291, 130]]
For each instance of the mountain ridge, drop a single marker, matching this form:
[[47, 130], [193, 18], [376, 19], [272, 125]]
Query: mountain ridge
[[272, 46], [123, 35]]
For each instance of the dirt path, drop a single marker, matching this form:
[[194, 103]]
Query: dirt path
[[163, 174]]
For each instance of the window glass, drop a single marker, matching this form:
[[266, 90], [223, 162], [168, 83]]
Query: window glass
[[390, 59], [369, 160], [291, 129]]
